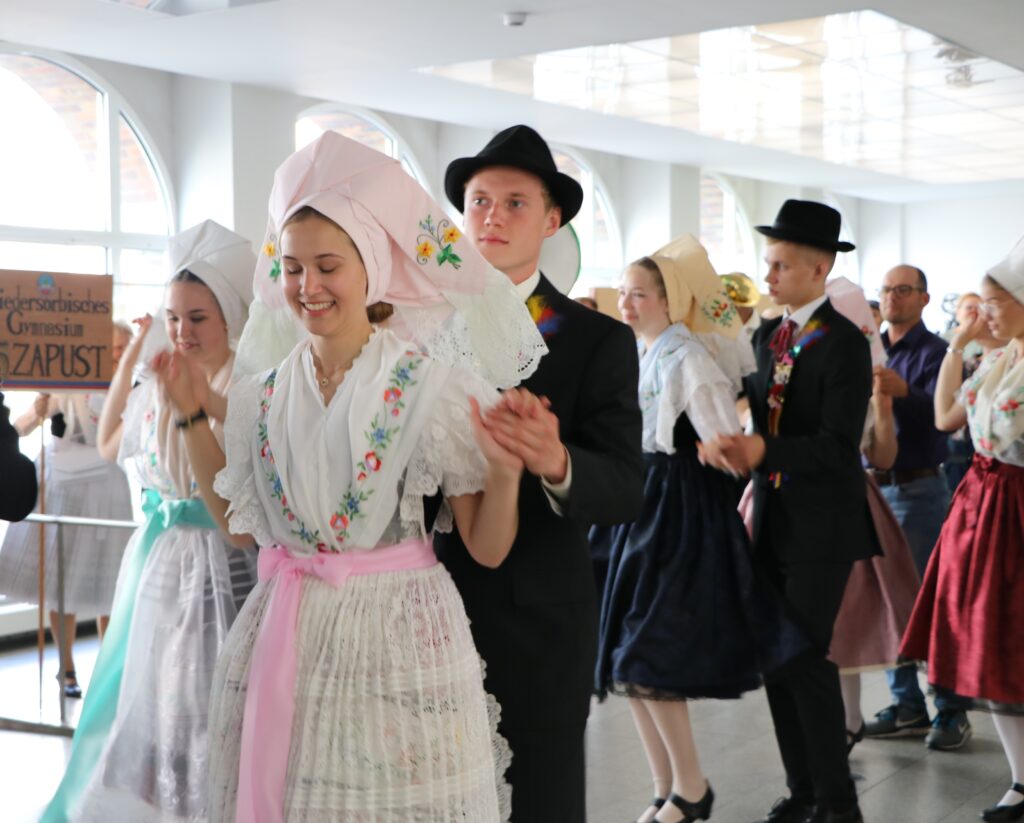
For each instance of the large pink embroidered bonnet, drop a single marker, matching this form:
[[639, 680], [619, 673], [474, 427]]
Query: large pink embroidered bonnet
[[447, 297]]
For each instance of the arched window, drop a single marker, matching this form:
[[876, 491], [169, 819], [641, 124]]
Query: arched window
[[359, 126], [595, 226], [82, 192], [725, 231]]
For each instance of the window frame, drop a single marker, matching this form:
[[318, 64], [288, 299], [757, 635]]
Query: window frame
[[114, 107], [614, 226], [745, 223], [402, 147]]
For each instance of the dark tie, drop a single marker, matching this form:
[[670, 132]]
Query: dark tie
[[783, 338]]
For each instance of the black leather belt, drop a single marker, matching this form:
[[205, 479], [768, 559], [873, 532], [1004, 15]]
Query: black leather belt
[[897, 477]]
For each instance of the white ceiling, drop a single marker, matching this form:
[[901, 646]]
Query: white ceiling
[[368, 54]]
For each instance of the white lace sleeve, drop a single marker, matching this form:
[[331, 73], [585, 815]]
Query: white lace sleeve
[[236, 482], [138, 402], [734, 357], [447, 456], [695, 385]]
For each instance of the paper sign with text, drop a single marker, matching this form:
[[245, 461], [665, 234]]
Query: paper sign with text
[[55, 330]]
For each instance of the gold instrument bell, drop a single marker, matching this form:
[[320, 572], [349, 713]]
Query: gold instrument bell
[[741, 290]]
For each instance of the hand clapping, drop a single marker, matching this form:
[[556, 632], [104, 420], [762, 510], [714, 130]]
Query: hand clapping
[[524, 425], [182, 382]]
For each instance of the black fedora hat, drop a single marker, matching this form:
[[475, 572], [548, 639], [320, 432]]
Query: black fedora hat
[[809, 224], [522, 148]]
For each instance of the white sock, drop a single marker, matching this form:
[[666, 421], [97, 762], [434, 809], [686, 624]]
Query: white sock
[[1011, 734], [657, 755], [850, 685]]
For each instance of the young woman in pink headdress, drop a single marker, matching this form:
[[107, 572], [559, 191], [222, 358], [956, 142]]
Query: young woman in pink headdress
[[350, 688], [967, 622]]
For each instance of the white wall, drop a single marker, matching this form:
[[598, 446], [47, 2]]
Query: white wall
[[204, 179], [952, 241], [262, 134]]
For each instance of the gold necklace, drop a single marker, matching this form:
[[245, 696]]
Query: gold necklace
[[325, 379]]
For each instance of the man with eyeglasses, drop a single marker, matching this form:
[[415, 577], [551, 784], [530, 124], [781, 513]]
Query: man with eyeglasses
[[916, 490]]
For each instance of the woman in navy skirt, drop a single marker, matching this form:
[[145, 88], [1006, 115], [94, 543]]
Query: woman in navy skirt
[[684, 614]]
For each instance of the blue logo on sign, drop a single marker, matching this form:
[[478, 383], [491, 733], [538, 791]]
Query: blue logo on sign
[[45, 284]]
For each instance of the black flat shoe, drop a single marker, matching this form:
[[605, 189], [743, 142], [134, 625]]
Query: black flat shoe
[[788, 810], [701, 810], [71, 687], [853, 738], [658, 802], [999, 814]]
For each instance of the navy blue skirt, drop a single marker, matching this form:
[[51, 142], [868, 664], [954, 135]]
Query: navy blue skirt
[[685, 612]]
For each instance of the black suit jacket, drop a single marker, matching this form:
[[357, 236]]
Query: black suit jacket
[[17, 473], [534, 619], [820, 513]]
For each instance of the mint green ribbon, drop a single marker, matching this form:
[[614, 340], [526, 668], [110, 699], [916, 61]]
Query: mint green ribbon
[[100, 705]]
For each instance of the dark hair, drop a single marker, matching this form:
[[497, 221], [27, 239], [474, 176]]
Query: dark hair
[[652, 268], [874, 304], [922, 281], [185, 276], [378, 312]]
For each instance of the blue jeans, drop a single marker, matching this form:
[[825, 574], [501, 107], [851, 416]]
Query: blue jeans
[[920, 507]]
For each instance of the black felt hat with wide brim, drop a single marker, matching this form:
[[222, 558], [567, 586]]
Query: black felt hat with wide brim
[[522, 148], [809, 224]]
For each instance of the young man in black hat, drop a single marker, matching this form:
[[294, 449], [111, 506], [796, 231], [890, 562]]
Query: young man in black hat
[[809, 400], [577, 429]]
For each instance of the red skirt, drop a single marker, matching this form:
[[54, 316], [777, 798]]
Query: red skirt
[[968, 622]]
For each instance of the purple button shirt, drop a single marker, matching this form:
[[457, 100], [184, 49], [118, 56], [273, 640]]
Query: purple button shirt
[[916, 357]]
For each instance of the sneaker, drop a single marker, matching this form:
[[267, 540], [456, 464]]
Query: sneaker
[[898, 721], [950, 730]]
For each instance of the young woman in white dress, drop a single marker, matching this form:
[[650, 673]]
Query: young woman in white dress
[[140, 749], [350, 689], [79, 483]]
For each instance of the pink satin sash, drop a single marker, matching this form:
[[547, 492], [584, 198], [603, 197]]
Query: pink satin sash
[[270, 701]]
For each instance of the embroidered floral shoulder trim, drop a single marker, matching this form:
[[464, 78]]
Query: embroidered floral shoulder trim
[[307, 536], [379, 437]]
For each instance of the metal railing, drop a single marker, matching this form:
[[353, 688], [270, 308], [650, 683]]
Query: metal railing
[[62, 730]]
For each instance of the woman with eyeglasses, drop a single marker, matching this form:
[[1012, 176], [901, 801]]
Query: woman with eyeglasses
[[968, 622]]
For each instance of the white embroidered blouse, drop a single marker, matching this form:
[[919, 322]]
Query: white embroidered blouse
[[678, 376], [351, 474], [993, 398]]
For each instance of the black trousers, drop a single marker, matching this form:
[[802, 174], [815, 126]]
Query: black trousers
[[804, 697], [548, 776]]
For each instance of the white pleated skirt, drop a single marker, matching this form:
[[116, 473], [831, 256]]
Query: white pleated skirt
[[391, 721], [154, 767], [92, 556]]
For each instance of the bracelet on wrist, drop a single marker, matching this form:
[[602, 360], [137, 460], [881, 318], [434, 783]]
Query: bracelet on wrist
[[188, 422], [954, 350]]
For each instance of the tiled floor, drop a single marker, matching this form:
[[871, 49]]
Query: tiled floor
[[899, 781]]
